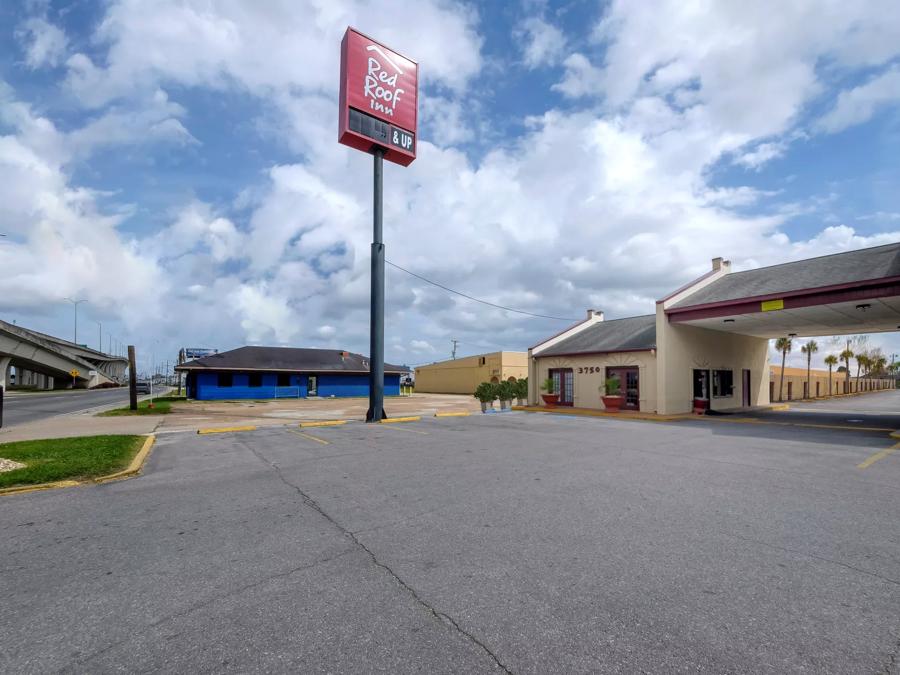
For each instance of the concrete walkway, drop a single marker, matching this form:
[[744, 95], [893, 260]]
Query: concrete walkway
[[189, 416]]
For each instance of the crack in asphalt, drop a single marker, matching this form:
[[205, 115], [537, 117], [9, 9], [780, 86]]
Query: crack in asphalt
[[209, 601], [443, 617], [890, 666], [814, 557]]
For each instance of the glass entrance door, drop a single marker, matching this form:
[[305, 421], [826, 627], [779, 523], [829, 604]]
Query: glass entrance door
[[312, 386], [564, 385], [630, 384]]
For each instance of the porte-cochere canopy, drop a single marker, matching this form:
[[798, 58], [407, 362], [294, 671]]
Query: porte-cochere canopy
[[853, 292]]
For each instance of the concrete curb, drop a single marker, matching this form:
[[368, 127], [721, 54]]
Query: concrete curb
[[323, 423], [464, 413], [133, 469], [642, 417], [395, 420], [225, 430]]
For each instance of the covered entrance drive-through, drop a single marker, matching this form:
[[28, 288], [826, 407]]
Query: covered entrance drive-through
[[725, 319]]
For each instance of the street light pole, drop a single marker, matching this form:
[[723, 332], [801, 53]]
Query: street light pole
[[76, 303], [99, 336]]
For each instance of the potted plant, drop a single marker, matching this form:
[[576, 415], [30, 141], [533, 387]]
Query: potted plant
[[522, 391], [612, 399], [484, 392], [551, 398], [506, 391]]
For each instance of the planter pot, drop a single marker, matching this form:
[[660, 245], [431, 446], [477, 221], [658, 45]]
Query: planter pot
[[701, 405], [504, 405], [612, 403], [550, 400], [484, 406]]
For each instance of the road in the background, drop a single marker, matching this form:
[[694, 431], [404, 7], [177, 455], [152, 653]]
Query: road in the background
[[875, 409], [22, 408]]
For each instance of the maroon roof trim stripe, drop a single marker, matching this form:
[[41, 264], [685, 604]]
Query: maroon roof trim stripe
[[837, 293]]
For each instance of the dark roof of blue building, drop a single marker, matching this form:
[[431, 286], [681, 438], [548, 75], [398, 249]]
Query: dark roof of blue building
[[287, 358], [633, 333]]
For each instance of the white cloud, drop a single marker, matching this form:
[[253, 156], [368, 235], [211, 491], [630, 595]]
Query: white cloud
[[580, 79], [267, 47], [859, 104], [422, 347], [43, 43], [542, 43], [761, 154], [60, 243], [752, 65], [609, 206]]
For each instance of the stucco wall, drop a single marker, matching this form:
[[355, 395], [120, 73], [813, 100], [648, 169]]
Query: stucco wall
[[794, 384], [586, 385], [681, 349], [462, 376]]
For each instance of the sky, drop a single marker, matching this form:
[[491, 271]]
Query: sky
[[175, 164]]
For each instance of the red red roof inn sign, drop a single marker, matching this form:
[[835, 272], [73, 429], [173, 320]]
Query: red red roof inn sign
[[379, 98]]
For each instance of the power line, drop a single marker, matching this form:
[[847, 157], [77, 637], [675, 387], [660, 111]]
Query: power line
[[483, 302]]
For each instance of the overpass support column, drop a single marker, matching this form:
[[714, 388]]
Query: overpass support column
[[4, 371]]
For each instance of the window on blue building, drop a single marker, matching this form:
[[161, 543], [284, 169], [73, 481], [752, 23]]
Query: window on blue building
[[224, 379], [255, 379], [284, 379]]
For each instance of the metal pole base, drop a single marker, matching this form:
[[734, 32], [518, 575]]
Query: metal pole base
[[371, 418]]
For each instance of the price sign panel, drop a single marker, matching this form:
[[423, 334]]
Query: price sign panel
[[379, 98]]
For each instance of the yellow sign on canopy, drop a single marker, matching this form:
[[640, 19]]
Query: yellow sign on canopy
[[772, 305]]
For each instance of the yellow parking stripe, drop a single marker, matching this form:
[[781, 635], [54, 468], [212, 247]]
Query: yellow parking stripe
[[878, 455], [310, 437], [411, 431]]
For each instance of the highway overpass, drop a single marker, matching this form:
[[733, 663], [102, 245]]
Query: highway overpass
[[46, 362]]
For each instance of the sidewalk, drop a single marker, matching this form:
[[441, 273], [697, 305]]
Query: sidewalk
[[192, 415]]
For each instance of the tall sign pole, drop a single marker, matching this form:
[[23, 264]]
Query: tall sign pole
[[376, 307], [378, 115]]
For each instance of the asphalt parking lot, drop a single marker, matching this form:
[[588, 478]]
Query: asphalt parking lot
[[521, 542]]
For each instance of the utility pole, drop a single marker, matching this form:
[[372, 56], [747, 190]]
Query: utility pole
[[99, 336], [132, 379], [455, 342], [76, 303]]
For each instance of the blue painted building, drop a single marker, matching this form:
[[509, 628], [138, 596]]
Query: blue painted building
[[284, 372]]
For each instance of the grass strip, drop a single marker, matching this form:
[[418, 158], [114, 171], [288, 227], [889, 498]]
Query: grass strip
[[55, 459], [162, 405]]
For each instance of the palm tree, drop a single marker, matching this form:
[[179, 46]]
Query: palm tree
[[831, 361], [862, 361], [784, 346], [809, 349], [846, 355]]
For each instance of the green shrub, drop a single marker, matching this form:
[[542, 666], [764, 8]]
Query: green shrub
[[485, 392], [522, 388], [506, 391], [548, 386], [612, 386]]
